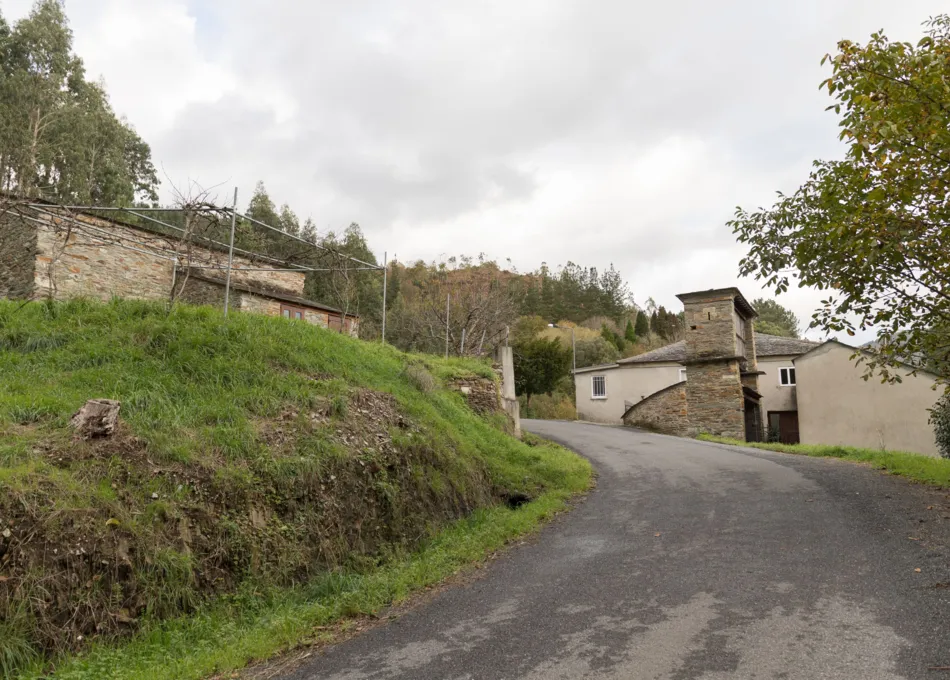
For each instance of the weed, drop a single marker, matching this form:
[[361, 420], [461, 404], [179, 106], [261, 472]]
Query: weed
[[16, 650], [420, 377]]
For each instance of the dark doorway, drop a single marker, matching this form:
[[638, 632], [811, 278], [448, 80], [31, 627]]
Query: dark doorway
[[753, 421], [783, 427]]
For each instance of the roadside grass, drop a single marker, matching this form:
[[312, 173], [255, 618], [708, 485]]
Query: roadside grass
[[246, 502], [257, 623], [914, 466]]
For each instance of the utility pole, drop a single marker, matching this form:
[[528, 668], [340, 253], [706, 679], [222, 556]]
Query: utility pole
[[573, 345], [227, 285], [385, 282]]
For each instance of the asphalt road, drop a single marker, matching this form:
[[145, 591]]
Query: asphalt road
[[693, 560]]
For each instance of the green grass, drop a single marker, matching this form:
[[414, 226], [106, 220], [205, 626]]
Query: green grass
[[256, 624], [911, 465], [234, 514]]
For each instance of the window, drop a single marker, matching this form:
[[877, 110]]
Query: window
[[599, 387], [682, 374], [291, 312], [786, 377]]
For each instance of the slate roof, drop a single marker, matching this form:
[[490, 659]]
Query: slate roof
[[765, 346], [775, 345], [273, 293]]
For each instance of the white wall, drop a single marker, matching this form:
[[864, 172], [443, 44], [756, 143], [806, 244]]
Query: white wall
[[835, 406], [775, 396], [628, 383]]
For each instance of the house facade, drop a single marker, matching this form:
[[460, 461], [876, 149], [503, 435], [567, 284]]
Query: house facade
[[723, 379], [48, 253]]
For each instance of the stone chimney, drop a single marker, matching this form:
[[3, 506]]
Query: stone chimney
[[722, 389]]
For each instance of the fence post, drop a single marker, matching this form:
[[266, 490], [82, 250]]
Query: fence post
[[227, 285]]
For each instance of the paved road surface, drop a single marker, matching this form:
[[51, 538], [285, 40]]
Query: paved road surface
[[765, 566]]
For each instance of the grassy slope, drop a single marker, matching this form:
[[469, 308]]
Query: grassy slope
[[912, 465], [247, 467]]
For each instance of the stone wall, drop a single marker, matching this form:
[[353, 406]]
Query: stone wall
[[256, 304], [18, 245], [317, 318], [665, 411], [710, 328], [480, 393], [98, 261], [81, 263], [714, 399], [198, 292]]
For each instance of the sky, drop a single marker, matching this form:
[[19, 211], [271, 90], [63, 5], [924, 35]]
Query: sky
[[615, 132]]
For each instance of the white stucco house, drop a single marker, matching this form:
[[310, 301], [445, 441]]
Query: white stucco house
[[606, 393], [726, 379]]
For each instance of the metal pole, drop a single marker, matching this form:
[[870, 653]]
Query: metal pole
[[385, 282], [573, 352], [227, 285], [462, 349], [447, 299], [481, 342]]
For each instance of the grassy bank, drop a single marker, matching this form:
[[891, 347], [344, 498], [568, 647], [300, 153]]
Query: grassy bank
[[267, 477], [911, 465], [256, 624]]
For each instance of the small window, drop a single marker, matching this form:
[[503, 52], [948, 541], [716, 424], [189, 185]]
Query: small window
[[787, 376], [599, 387], [291, 312], [682, 374]]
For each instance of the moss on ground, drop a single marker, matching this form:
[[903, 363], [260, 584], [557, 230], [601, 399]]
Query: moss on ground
[[263, 469]]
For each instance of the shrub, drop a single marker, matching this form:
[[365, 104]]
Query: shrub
[[420, 378], [940, 419], [557, 406]]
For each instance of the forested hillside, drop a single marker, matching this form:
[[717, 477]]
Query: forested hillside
[[59, 137], [61, 140]]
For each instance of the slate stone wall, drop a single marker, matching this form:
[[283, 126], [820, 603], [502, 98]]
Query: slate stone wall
[[710, 328], [17, 258], [714, 399], [78, 263], [98, 260], [665, 411], [198, 292]]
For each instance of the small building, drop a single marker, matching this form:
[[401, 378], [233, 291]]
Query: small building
[[837, 406], [724, 379], [50, 253]]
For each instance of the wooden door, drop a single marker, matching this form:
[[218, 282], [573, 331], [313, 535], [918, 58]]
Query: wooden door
[[783, 427], [788, 427]]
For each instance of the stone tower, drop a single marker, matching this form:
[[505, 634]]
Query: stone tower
[[722, 394]]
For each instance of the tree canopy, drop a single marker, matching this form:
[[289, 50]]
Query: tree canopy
[[59, 137], [539, 365], [574, 293], [872, 229], [774, 319]]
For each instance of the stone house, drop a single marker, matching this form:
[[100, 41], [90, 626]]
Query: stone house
[[725, 379], [49, 253]]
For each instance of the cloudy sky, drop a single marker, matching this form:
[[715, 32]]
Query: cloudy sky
[[612, 131]]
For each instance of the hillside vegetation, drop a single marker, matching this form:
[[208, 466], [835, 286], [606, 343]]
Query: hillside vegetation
[[253, 454]]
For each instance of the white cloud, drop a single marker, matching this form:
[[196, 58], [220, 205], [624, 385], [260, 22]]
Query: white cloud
[[542, 130]]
